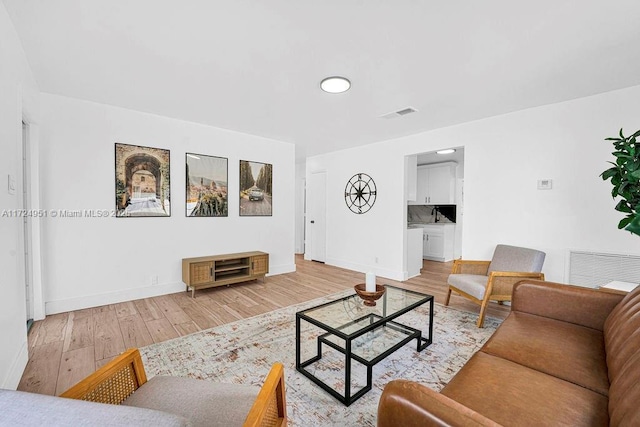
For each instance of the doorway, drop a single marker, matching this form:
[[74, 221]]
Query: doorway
[[438, 202], [317, 217]]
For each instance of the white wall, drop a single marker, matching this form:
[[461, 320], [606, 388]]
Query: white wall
[[504, 158], [300, 210], [95, 261], [19, 96]]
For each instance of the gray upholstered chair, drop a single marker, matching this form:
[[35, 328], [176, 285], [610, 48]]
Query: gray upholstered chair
[[123, 380], [484, 281]]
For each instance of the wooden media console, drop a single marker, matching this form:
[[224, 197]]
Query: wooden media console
[[219, 270]]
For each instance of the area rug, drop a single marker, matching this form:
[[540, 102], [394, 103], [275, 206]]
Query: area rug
[[242, 352]]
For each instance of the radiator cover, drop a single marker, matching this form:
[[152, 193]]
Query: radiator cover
[[593, 269]]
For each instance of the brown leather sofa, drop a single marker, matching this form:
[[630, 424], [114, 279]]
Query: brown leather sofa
[[565, 356]]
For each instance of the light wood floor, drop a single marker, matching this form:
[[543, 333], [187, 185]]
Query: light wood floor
[[64, 348]]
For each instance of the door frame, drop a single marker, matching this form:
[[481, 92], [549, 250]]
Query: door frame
[[311, 199], [29, 136]]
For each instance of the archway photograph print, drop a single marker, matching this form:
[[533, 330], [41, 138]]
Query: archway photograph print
[[142, 181], [256, 188], [206, 185]]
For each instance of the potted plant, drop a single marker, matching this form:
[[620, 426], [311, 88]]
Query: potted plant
[[625, 178]]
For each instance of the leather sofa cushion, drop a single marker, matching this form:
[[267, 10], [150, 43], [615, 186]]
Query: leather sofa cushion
[[622, 333], [565, 350], [514, 395], [203, 403], [622, 343]]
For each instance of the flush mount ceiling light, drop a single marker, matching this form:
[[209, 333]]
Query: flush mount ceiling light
[[335, 84], [447, 151]]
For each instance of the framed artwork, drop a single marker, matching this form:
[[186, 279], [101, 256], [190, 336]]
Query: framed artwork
[[142, 181], [206, 192], [255, 188]]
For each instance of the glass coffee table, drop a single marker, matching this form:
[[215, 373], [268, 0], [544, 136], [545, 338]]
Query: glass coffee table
[[360, 333]]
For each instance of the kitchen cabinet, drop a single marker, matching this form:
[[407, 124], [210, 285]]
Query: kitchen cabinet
[[436, 184], [438, 242]]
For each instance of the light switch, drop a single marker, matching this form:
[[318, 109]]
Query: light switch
[[11, 184]]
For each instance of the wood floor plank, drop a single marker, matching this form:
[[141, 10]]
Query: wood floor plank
[[79, 332], [41, 373], [125, 309], [87, 339], [134, 331], [74, 366], [187, 328], [161, 330], [52, 329], [148, 309], [108, 337]]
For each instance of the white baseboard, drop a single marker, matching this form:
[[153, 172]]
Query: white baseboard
[[378, 271], [79, 303], [16, 370], [281, 269]]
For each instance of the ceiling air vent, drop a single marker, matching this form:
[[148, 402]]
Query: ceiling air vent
[[399, 113]]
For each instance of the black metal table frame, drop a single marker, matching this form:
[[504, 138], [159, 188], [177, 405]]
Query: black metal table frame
[[376, 322]]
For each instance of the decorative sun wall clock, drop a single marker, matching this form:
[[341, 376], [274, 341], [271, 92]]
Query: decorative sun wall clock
[[360, 193]]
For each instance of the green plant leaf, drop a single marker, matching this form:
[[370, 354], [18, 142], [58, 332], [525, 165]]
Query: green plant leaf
[[623, 206], [624, 222], [609, 173], [625, 179], [634, 225]]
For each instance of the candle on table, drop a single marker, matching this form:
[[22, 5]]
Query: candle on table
[[370, 283]]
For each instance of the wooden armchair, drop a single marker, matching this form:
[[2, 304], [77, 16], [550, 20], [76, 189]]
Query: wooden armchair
[[124, 381], [484, 281]]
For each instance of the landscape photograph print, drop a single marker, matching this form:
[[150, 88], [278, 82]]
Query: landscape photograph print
[[256, 188], [142, 181], [206, 192]]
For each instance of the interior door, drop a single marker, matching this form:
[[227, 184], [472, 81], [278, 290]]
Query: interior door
[[317, 216]]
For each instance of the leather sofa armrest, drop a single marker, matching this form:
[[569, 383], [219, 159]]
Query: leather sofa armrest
[[409, 404], [574, 304]]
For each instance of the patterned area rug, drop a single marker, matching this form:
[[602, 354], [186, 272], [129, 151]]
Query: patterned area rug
[[242, 352]]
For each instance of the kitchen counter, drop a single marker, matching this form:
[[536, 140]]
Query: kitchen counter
[[428, 224]]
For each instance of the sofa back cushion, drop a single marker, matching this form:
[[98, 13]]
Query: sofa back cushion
[[514, 258], [622, 345]]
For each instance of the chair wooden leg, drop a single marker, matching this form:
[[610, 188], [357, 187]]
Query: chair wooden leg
[[446, 299], [483, 311]]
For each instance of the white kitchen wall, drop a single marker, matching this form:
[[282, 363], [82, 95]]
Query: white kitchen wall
[[96, 261], [18, 99], [505, 156]]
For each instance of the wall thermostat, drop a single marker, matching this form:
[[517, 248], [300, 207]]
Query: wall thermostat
[[545, 184]]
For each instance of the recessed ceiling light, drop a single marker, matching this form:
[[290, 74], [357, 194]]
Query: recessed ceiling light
[[447, 151], [335, 84]]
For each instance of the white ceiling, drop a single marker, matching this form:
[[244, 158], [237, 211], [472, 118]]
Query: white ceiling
[[254, 66]]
